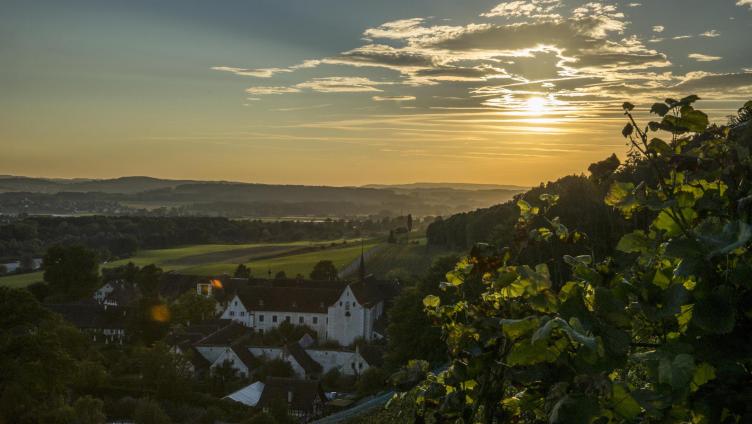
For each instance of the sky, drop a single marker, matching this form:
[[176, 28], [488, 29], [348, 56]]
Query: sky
[[343, 92]]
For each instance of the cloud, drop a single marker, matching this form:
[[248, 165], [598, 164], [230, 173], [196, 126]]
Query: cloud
[[711, 34], [393, 98], [744, 3], [526, 8], [703, 57], [579, 60], [340, 85], [634, 4], [259, 73], [715, 84], [263, 91]]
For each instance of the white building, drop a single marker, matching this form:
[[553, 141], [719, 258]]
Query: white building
[[340, 312]]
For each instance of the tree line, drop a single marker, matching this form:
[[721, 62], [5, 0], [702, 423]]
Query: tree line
[[117, 237]]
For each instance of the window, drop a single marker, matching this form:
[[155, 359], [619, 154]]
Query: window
[[301, 320], [340, 303], [242, 313], [274, 318], [232, 313], [360, 365], [315, 320], [236, 303], [261, 318], [287, 318]]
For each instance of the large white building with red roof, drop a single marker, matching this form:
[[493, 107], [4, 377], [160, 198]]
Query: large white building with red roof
[[338, 311]]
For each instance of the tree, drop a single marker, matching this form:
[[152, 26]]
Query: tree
[[324, 271], [190, 307], [659, 333], [38, 354], [412, 334], [147, 280], [3, 269], [26, 264], [275, 368], [89, 410], [72, 272], [242, 271], [373, 380], [149, 412], [260, 418], [280, 275], [409, 222]]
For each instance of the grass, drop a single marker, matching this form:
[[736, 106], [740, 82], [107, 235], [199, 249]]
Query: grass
[[21, 280], [413, 259], [292, 264], [213, 259]]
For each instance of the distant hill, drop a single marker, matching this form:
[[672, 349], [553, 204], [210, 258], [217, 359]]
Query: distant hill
[[114, 185], [142, 195], [454, 186]]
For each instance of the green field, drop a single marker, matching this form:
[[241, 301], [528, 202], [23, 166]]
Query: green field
[[214, 259], [412, 259], [21, 280]]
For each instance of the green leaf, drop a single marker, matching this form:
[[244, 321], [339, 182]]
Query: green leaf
[[694, 120], [627, 131], [455, 278], [620, 196], [666, 222], [574, 409], [514, 328], [431, 301], [661, 280], [677, 373], [526, 353], [703, 373], [634, 242], [624, 404], [659, 147], [659, 109]]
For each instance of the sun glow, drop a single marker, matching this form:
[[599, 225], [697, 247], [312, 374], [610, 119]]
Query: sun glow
[[535, 105]]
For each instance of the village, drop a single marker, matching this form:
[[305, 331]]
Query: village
[[285, 342]]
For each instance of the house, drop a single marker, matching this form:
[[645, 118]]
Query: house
[[311, 362], [224, 346], [116, 293], [105, 324], [248, 395], [237, 357], [181, 338], [338, 311], [197, 364], [305, 399]]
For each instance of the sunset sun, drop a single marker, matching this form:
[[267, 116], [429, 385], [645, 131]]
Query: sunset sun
[[536, 105]]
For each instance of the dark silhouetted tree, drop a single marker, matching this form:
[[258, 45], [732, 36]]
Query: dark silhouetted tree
[[71, 271], [325, 271]]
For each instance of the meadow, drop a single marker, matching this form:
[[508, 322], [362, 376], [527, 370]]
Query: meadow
[[265, 259], [215, 259]]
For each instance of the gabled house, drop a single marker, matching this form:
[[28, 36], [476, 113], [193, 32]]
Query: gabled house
[[305, 399], [238, 358], [105, 324], [338, 311], [116, 293], [311, 362]]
